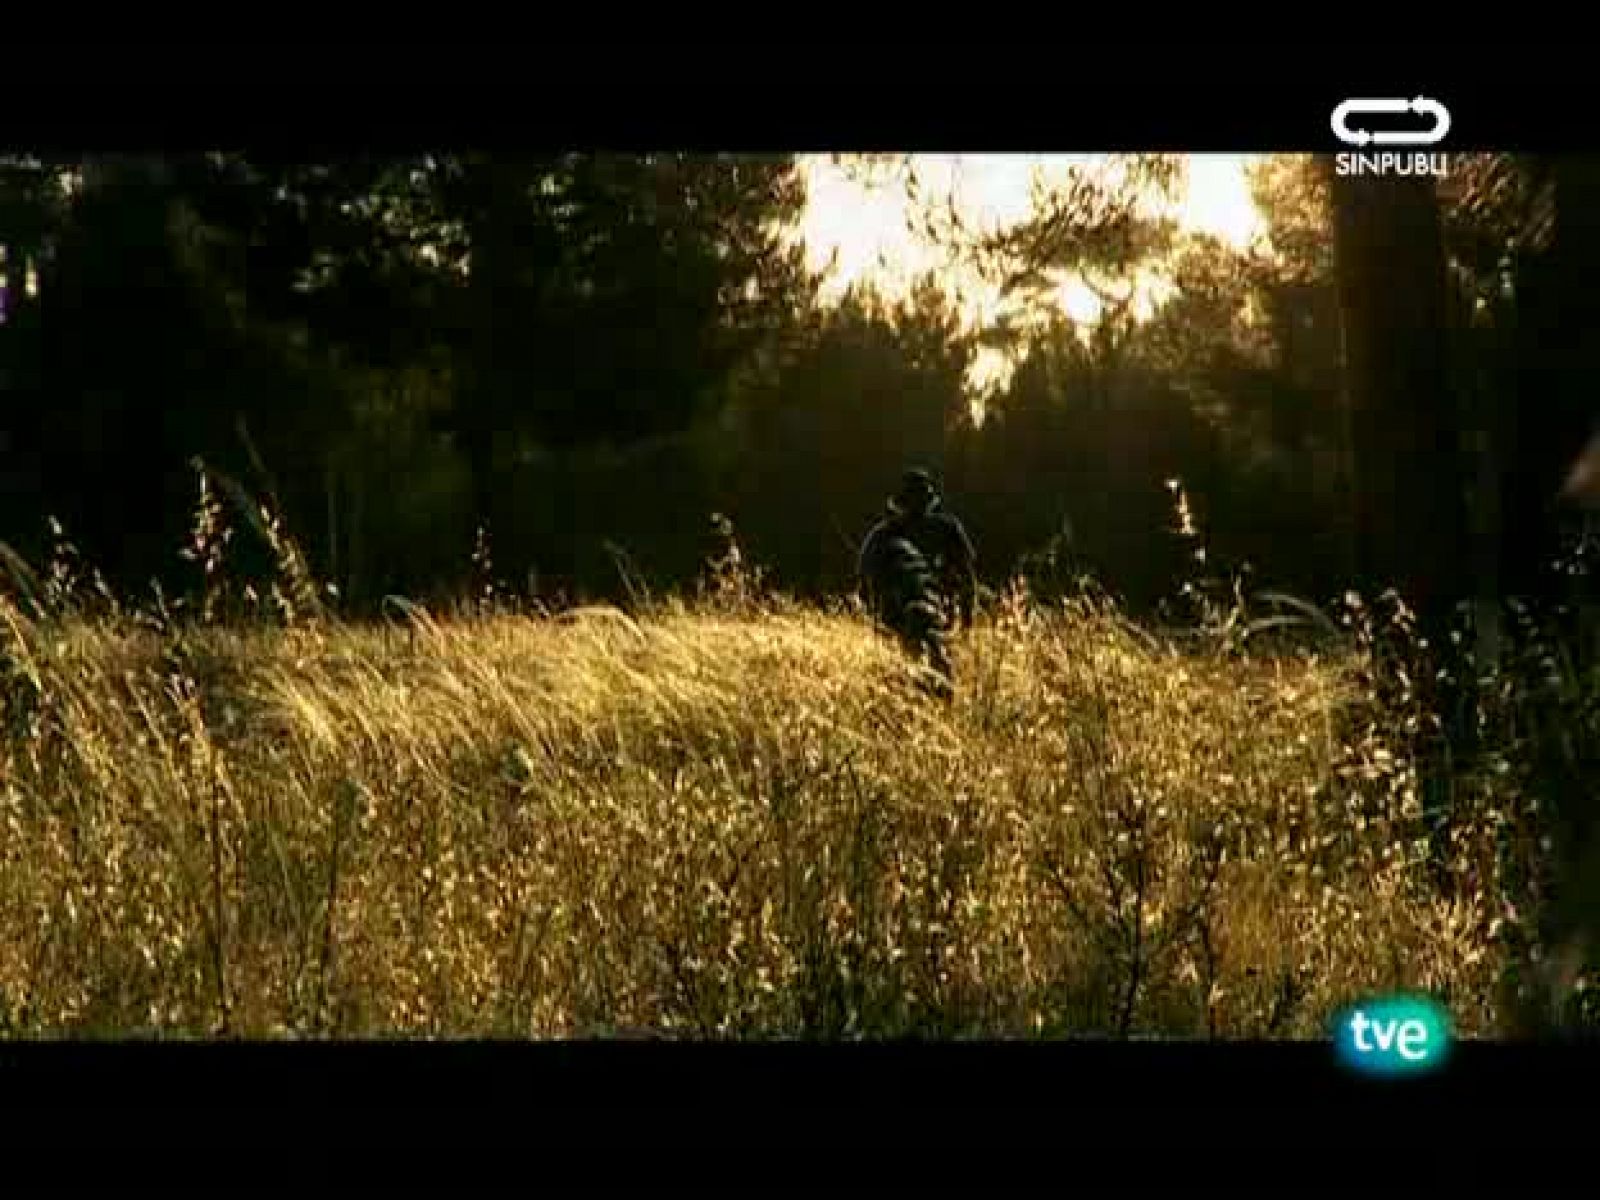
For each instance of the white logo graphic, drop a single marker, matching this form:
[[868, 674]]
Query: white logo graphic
[[1389, 162], [1392, 137]]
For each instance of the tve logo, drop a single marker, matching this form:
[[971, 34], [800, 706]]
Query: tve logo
[[1393, 1035]]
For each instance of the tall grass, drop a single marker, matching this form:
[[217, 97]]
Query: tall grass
[[726, 818]]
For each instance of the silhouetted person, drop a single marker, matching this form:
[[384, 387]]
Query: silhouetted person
[[916, 569], [723, 563]]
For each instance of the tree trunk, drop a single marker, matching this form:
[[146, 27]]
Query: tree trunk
[[330, 486], [1487, 391], [1552, 491], [493, 269], [1488, 536], [355, 561], [1558, 319], [13, 294], [1404, 422], [1409, 480]]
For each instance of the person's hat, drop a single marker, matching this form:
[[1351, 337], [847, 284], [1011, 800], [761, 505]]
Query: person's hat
[[916, 484]]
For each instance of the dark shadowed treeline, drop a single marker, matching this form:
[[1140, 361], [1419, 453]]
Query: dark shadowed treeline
[[589, 354]]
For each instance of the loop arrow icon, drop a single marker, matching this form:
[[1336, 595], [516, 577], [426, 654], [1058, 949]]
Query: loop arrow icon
[[1421, 105]]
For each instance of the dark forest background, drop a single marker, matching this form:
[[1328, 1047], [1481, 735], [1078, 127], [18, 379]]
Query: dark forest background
[[588, 354]]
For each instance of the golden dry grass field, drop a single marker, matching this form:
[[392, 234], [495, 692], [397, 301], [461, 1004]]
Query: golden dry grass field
[[735, 822]]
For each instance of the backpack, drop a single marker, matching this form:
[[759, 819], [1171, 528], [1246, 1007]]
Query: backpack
[[908, 587]]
